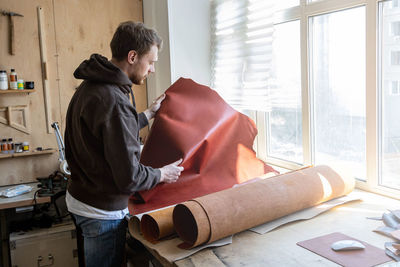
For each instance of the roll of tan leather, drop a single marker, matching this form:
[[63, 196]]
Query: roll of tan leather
[[157, 224], [215, 216]]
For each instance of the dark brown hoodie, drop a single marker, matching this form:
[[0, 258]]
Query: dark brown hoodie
[[102, 138]]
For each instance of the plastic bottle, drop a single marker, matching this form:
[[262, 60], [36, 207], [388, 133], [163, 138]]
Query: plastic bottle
[[4, 146], [10, 145], [3, 80], [13, 80]]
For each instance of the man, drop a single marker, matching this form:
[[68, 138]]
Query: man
[[102, 142]]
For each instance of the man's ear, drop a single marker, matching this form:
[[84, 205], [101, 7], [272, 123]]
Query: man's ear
[[132, 56]]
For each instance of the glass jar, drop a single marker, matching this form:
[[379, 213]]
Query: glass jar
[[18, 148]]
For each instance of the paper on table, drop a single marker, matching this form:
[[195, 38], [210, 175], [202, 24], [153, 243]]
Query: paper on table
[[305, 214], [384, 230], [391, 252]]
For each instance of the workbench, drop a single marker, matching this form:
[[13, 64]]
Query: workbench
[[10, 203], [278, 247]]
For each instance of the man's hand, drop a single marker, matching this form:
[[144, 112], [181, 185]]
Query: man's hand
[[170, 173], [151, 111]]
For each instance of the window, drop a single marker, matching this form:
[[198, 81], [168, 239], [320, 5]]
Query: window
[[395, 28], [337, 68], [395, 58], [336, 96], [395, 90], [284, 138], [241, 52], [282, 4], [389, 140]]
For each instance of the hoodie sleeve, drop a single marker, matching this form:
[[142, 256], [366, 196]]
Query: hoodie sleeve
[[122, 152], [142, 120]]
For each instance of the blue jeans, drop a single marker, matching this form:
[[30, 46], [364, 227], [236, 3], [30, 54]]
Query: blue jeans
[[103, 241]]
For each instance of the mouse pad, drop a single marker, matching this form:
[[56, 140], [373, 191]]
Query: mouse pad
[[370, 256]]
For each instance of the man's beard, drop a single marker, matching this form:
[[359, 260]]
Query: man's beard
[[137, 80]]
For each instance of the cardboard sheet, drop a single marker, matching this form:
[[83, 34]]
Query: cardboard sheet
[[370, 256], [209, 218], [304, 214], [214, 140]]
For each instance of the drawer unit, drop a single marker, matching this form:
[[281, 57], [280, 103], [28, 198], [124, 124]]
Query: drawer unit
[[55, 246]]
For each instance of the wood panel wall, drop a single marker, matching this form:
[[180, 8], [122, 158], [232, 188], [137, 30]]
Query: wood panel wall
[[74, 30]]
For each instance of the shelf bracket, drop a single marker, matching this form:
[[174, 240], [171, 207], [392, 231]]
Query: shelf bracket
[[6, 117]]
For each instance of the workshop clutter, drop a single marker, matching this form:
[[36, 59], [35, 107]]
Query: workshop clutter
[[11, 81], [7, 146], [391, 228]]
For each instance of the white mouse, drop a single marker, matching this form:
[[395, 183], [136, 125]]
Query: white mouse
[[347, 245]]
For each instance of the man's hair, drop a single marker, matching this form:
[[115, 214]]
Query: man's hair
[[133, 36]]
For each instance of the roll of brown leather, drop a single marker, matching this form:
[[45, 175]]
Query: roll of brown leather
[[158, 224], [215, 216]]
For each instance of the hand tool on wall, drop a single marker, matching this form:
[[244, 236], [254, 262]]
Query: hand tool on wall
[[11, 28], [61, 149]]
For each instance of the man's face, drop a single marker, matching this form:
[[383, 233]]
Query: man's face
[[143, 66]]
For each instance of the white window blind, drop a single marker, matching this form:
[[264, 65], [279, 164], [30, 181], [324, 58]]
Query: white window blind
[[241, 52]]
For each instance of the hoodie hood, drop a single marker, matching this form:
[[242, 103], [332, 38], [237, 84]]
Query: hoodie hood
[[99, 69]]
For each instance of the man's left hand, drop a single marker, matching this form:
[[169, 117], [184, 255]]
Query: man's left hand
[[154, 107]]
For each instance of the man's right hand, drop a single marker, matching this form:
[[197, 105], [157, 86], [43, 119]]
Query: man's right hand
[[170, 173]]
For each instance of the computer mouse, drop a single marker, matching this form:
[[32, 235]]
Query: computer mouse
[[347, 245]]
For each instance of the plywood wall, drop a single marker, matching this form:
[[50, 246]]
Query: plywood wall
[[74, 30]]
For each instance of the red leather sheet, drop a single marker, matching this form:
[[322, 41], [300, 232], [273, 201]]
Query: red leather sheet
[[214, 140]]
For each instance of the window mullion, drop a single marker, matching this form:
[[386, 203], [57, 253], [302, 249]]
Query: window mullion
[[305, 94], [371, 94]]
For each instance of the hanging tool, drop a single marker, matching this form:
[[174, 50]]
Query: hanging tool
[[11, 28], [61, 149]]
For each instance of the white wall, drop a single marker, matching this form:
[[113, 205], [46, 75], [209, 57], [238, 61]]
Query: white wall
[[189, 31], [155, 16], [184, 26]]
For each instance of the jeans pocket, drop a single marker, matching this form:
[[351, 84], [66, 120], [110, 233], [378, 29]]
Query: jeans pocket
[[90, 227]]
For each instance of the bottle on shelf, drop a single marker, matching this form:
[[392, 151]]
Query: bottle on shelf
[[4, 146], [13, 80], [10, 145], [3, 80], [25, 146]]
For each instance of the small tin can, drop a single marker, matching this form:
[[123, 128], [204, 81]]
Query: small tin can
[[20, 84], [29, 85]]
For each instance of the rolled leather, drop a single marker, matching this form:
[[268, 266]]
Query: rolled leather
[[215, 216]]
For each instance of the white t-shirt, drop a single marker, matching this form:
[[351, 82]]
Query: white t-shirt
[[79, 208]]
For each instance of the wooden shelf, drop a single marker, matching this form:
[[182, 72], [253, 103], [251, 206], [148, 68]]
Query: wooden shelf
[[12, 91], [27, 154]]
